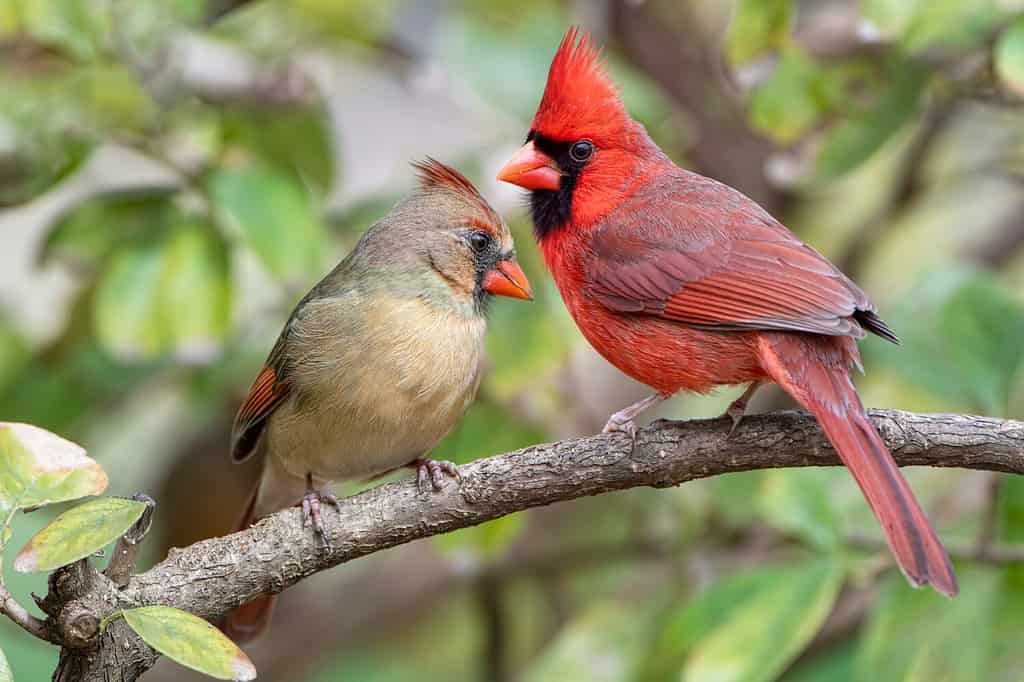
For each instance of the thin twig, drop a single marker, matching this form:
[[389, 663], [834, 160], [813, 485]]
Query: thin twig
[[126, 551], [10, 607]]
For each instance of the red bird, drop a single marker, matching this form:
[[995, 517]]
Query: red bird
[[684, 284]]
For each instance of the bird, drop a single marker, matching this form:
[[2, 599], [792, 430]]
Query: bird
[[686, 284], [379, 361]]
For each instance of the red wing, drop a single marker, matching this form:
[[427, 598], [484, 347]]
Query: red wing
[[759, 276], [264, 396]]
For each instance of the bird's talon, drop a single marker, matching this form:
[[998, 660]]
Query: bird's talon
[[617, 424], [434, 471], [312, 504]]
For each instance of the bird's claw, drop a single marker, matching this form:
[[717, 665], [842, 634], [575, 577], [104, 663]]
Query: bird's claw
[[620, 423], [433, 471], [312, 503], [736, 411], [736, 415]]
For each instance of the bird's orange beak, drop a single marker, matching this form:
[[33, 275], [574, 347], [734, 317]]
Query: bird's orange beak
[[531, 168], [507, 279]]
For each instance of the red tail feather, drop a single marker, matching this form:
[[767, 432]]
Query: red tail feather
[[820, 381], [250, 620]]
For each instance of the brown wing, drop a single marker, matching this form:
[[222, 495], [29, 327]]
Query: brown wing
[[728, 269], [266, 394]]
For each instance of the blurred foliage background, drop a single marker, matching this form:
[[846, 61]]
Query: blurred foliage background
[[174, 174]]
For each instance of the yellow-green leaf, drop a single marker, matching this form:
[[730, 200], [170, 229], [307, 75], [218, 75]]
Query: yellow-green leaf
[[1009, 57], [190, 641], [488, 540], [125, 308], [77, 533], [757, 26], [195, 292], [798, 502], [862, 133], [600, 645], [276, 216], [759, 639], [167, 296], [915, 635], [38, 467]]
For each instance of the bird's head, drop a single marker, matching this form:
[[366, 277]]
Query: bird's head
[[449, 229], [583, 149]]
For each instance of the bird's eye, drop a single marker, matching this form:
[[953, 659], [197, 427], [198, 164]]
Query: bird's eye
[[479, 241], [581, 150]]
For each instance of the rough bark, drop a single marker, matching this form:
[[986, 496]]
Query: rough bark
[[213, 576]]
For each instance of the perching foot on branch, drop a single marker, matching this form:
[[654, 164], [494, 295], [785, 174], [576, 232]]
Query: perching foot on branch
[[622, 421], [434, 470], [312, 503]]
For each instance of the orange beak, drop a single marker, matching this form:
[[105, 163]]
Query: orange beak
[[507, 279], [531, 168]]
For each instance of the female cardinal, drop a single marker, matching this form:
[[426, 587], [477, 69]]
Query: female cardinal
[[684, 283], [380, 359]]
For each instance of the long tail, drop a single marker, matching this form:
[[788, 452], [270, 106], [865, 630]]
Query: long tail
[[251, 619], [815, 371]]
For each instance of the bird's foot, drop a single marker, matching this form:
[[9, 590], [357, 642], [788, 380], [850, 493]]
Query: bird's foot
[[312, 504], [738, 408], [621, 422], [434, 471]]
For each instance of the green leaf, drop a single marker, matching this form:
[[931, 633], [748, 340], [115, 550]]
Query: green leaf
[[890, 17], [731, 495], [961, 330], [270, 134], [1006, 657], [92, 230], [38, 467], [920, 635], [15, 352], [757, 27], [488, 540], [169, 296], [276, 217], [1011, 509], [798, 501], [195, 292], [125, 313], [855, 139], [37, 156], [1009, 57], [601, 645], [925, 25], [77, 533], [190, 641], [950, 24], [833, 665], [792, 101], [5, 669], [683, 627], [773, 625], [72, 24]]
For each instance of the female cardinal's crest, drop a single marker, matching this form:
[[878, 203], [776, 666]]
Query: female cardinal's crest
[[579, 99], [434, 175]]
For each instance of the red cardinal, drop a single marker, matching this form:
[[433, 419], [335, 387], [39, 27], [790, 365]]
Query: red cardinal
[[684, 284]]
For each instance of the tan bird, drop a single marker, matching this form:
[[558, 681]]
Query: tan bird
[[380, 359]]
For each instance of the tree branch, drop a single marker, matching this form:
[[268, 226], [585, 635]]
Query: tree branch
[[10, 607], [211, 577]]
